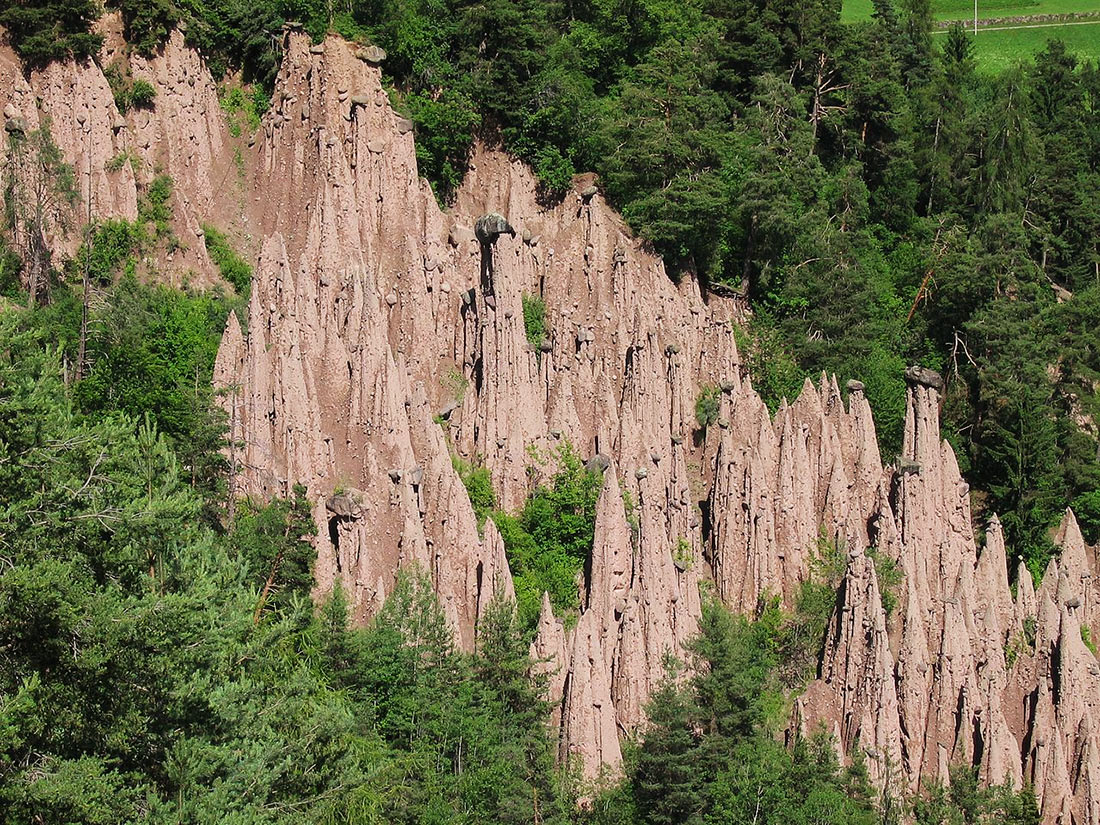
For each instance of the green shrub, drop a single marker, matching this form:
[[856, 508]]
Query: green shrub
[[142, 93], [120, 89], [455, 384], [534, 319], [233, 267], [554, 172], [243, 107], [707, 405], [889, 576], [883, 376], [682, 555], [549, 542], [110, 245], [774, 371], [271, 539], [1022, 641], [120, 160], [479, 486], [802, 633], [154, 205], [128, 92], [536, 570], [1086, 637]]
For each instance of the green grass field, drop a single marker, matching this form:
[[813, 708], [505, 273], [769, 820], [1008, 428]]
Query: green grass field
[[855, 10], [999, 49]]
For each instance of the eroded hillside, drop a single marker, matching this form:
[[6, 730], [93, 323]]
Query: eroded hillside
[[383, 337]]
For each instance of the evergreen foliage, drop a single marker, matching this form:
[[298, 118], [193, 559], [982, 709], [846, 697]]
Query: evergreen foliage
[[40, 199], [965, 801], [42, 31], [550, 541], [708, 755], [874, 199], [157, 669], [231, 265], [707, 405]]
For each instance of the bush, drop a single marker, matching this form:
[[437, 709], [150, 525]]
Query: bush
[[154, 205], [455, 384], [534, 319], [682, 555], [775, 372], [554, 172], [142, 93], [707, 405], [120, 160], [233, 267], [128, 92], [271, 540], [110, 245], [803, 632], [1022, 641], [479, 486], [120, 89], [1086, 637], [889, 576], [243, 107], [549, 542]]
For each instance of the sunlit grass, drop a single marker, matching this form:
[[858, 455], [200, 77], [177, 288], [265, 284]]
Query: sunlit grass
[[1000, 49], [855, 10], [996, 51]]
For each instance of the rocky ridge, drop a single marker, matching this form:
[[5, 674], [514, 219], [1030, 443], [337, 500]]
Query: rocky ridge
[[383, 336]]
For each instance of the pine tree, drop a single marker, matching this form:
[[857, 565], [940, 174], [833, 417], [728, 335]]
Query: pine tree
[[669, 785], [40, 196]]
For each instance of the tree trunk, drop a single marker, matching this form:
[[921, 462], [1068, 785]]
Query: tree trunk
[[746, 264], [81, 356], [932, 181]]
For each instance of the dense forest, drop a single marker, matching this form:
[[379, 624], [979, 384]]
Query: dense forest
[[874, 198]]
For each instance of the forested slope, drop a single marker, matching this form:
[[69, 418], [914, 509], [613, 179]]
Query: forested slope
[[874, 201], [158, 667]]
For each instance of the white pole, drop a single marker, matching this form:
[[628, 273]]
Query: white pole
[[975, 18]]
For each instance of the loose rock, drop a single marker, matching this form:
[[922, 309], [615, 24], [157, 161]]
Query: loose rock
[[491, 226]]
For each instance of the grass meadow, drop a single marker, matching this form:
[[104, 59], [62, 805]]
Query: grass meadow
[[998, 49], [855, 10]]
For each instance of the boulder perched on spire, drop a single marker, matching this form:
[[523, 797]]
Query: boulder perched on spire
[[491, 226]]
